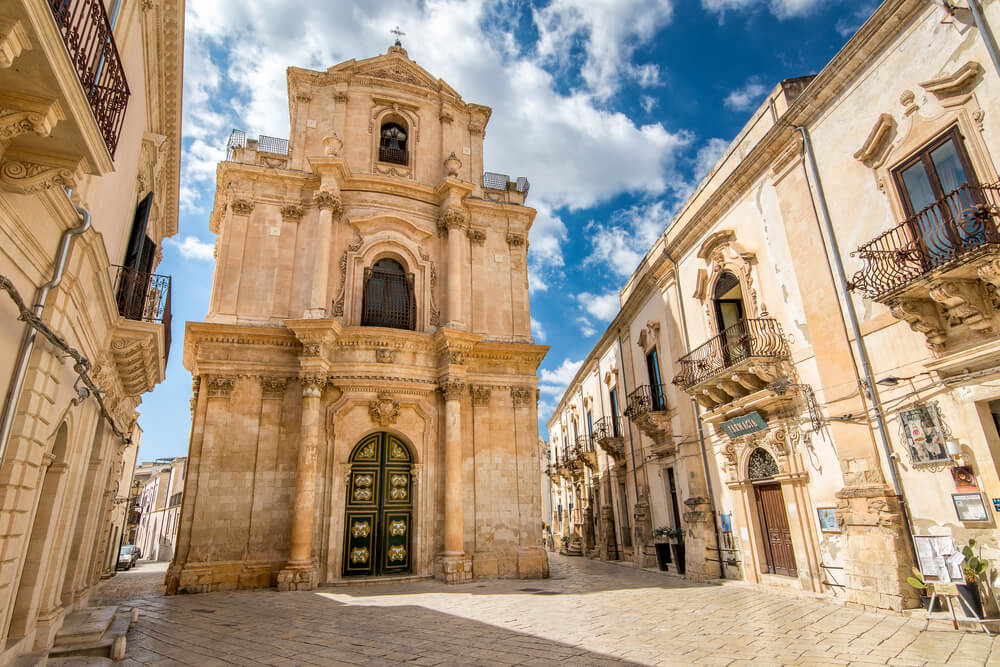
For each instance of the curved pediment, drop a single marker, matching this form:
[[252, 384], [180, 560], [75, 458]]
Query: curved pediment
[[391, 223]]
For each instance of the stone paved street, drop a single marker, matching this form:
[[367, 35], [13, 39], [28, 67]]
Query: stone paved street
[[588, 613]]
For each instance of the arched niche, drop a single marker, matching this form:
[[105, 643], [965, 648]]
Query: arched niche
[[385, 113], [395, 245]]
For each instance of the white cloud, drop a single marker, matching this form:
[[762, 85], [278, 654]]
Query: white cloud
[[602, 306], [608, 32], [648, 102], [192, 248], [537, 330], [574, 150], [780, 8], [623, 241], [554, 382], [586, 328], [708, 155], [746, 97]]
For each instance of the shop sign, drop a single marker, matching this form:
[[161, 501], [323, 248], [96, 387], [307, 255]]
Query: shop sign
[[748, 423]]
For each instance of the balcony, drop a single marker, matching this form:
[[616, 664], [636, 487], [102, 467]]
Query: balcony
[[736, 364], [647, 408], [394, 155], [939, 270], [141, 340], [264, 151], [608, 436], [585, 451]]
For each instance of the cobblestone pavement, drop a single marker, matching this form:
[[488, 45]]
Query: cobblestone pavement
[[588, 613]]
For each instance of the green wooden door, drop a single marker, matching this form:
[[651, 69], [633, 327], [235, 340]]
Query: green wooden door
[[379, 509]]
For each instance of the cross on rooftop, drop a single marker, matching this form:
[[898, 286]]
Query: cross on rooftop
[[398, 33]]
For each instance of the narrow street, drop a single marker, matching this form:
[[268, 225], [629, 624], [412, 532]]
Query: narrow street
[[587, 613]]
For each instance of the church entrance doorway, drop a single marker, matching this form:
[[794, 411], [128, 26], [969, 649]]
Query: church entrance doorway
[[379, 508]]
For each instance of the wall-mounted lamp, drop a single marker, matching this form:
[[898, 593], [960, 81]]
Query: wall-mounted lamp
[[954, 449], [888, 381]]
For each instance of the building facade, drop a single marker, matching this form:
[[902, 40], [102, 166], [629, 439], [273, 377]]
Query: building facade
[[365, 389], [89, 169], [159, 506], [817, 324]]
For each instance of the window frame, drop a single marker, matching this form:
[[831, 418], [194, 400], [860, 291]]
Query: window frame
[[923, 155]]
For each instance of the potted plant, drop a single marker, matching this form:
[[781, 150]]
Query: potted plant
[[926, 590], [677, 535], [565, 543], [974, 570], [660, 536]]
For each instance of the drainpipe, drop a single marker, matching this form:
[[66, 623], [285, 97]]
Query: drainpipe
[[866, 367], [30, 333], [987, 34], [697, 417], [631, 447]]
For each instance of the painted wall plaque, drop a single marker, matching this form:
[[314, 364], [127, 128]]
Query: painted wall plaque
[[965, 479], [828, 519], [924, 434], [970, 507], [744, 425]]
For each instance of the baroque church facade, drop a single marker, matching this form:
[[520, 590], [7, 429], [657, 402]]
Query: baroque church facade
[[364, 384]]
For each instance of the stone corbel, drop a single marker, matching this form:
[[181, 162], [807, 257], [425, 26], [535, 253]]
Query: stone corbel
[[25, 177], [952, 89], [872, 152], [649, 335], [13, 40], [964, 302], [515, 240], [291, 212], [22, 115], [241, 206], [477, 236], [922, 316], [989, 271]]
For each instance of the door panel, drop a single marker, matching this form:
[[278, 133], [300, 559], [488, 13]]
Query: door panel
[[774, 528], [379, 511]]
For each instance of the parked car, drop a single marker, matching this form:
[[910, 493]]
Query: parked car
[[127, 556]]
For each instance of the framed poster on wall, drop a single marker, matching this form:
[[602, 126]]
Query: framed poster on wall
[[828, 519], [970, 507], [924, 434]]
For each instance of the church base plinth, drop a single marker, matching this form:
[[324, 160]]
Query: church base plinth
[[532, 563], [453, 569], [297, 578]]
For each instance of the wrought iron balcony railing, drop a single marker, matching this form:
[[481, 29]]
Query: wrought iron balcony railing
[[144, 297], [87, 35], [647, 398], [747, 339], [962, 221], [394, 155], [607, 427], [584, 444]]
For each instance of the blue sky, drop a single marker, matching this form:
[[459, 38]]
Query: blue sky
[[613, 109]]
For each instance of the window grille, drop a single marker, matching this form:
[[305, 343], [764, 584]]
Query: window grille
[[388, 299]]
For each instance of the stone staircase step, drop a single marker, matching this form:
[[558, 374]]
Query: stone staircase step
[[110, 643], [87, 625], [80, 661]]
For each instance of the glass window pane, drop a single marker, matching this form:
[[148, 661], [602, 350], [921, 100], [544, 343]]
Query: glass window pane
[[948, 166], [918, 187]]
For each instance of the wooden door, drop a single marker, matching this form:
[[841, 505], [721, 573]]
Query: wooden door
[[774, 526]]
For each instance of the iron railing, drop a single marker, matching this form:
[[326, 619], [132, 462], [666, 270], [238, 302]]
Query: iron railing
[[394, 155], [388, 300], [962, 221], [607, 427], [747, 339], [86, 32], [647, 398], [144, 297], [275, 145], [584, 444]]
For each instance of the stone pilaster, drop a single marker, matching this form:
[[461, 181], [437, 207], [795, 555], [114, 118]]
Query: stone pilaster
[[330, 206], [699, 539], [453, 566], [453, 223], [299, 573]]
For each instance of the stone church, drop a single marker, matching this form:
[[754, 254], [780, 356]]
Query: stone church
[[365, 390]]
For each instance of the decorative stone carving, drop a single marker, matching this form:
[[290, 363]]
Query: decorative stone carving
[[477, 236], [451, 165], [649, 335], [964, 303], [291, 213], [311, 349], [325, 199], [26, 177], [950, 89], [515, 240], [451, 389], [451, 218], [878, 139], [908, 100], [455, 357], [923, 317], [383, 410], [435, 311], [333, 144], [273, 387], [989, 272], [520, 396], [241, 206], [353, 246], [312, 383], [15, 122], [220, 386], [480, 395], [13, 40], [383, 355]]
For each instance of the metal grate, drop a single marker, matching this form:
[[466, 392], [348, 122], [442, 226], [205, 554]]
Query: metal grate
[[495, 181], [647, 398], [388, 300], [523, 185], [394, 155], [266, 144], [87, 34], [237, 139]]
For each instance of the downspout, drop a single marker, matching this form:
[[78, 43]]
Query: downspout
[[631, 447], [697, 419], [866, 367], [30, 333], [987, 34]]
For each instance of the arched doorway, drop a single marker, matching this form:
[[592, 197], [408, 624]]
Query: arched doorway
[[379, 508], [777, 538], [729, 314]]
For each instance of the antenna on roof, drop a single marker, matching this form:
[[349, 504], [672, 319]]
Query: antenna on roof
[[398, 33]]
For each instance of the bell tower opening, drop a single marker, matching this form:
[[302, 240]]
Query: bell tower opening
[[393, 144]]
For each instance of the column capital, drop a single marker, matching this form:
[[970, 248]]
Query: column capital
[[220, 386], [480, 394], [328, 200], [451, 389], [273, 387], [291, 212], [241, 205], [452, 218], [519, 396], [312, 383]]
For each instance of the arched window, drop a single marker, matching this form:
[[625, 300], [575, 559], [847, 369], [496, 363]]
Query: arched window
[[388, 299], [728, 300], [392, 144], [761, 465]]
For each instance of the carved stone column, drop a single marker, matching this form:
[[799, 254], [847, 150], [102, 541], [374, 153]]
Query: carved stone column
[[330, 206], [299, 573], [453, 220], [453, 566]]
